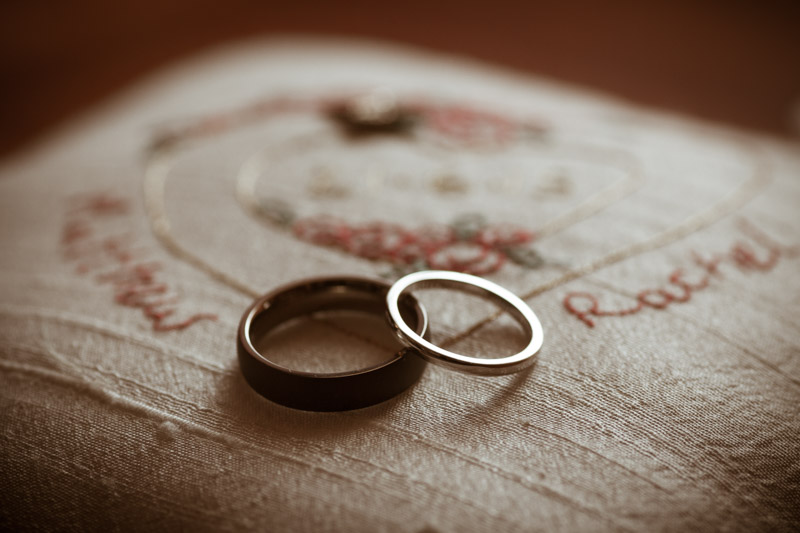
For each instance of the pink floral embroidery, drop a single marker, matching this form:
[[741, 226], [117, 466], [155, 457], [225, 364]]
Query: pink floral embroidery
[[440, 247]]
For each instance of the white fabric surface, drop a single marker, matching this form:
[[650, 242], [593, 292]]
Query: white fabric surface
[[684, 417]]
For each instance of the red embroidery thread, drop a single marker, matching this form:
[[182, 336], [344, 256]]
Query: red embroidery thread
[[741, 255], [437, 247], [469, 126], [135, 283], [452, 122]]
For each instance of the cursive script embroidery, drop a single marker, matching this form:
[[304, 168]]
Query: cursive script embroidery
[[91, 239], [762, 254]]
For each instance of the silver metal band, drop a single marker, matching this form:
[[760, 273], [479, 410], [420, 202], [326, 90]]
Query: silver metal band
[[508, 301]]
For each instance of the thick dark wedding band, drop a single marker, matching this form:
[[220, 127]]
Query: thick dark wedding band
[[335, 391]]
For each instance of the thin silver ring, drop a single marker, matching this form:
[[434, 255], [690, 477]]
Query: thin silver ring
[[493, 292]]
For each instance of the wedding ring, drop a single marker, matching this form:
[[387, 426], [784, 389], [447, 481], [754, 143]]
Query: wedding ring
[[340, 391], [507, 301]]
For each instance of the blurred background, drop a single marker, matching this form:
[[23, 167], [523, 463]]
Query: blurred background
[[730, 61]]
